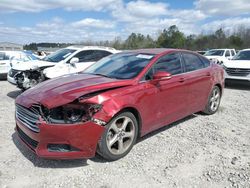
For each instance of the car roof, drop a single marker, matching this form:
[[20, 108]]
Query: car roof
[[154, 51], [248, 49], [223, 49], [81, 47], [12, 52]]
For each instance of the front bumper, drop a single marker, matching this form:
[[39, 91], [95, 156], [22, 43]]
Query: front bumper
[[246, 78], [11, 80], [4, 71], [82, 139]]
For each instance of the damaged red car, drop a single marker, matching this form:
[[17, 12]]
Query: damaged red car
[[120, 98]]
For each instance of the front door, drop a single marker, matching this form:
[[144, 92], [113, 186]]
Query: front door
[[164, 101]]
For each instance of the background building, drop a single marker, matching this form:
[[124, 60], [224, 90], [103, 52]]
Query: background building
[[7, 46]]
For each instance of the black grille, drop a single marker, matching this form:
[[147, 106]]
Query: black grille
[[26, 138], [13, 72], [237, 71], [28, 116]]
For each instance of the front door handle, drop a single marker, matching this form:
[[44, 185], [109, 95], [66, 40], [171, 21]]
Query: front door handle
[[181, 79]]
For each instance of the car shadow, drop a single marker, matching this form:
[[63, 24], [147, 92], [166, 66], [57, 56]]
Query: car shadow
[[3, 78], [166, 127], [237, 85], [46, 163], [14, 94], [99, 159], [49, 163]]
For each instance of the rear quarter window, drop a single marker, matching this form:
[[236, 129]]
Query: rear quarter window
[[192, 62], [205, 61]]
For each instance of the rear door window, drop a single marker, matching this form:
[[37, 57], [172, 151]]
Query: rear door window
[[232, 52], [85, 56], [99, 54], [91, 55], [192, 62], [227, 53]]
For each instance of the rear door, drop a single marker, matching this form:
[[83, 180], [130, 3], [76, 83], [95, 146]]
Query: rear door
[[198, 79]]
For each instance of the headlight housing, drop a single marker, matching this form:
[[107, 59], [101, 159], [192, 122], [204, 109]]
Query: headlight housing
[[72, 113]]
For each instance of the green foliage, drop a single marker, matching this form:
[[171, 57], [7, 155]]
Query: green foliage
[[135, 41], [235, 41], [170, 38]]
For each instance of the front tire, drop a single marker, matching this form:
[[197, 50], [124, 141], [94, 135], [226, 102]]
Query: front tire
[[213, 101], [119, 137]]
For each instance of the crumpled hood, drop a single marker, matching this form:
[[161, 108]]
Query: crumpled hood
[[243, 64], [22, 66], [65, 89]]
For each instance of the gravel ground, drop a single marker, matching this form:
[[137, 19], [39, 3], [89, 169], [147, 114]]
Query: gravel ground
[[199, 151]]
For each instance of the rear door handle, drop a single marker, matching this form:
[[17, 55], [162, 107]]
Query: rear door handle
[[181, 79]]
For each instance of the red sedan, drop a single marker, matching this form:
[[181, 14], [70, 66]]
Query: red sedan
[[115, 101]]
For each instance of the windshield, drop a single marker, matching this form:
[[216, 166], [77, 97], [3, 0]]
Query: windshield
[[59, 55], [24, 57], [30, 55], [214, 53], [120, 66], [242, 55]]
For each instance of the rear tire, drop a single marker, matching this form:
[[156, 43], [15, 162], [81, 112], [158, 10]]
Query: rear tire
[[119, 137], [213, 102]]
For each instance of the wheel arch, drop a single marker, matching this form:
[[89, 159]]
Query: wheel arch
[[137, 115], [219, 86]]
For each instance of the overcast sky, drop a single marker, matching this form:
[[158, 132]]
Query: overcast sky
[[25, 21]]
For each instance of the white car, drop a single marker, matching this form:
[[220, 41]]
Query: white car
[[69, 60], [239, 67], [220, 56], [10, 58]]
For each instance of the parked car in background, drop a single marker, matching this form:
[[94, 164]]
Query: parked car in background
[[80, 61], [12, 58], [68, 60], [219, 56], [239, 67], [201, 52], [116, 100]]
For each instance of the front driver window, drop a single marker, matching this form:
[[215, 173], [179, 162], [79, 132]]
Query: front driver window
[[170, 63]]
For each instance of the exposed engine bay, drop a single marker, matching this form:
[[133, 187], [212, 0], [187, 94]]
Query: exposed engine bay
[[29, 78]]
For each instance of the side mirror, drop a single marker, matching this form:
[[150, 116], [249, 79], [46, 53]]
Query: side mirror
[[162, 75], [74, 60]]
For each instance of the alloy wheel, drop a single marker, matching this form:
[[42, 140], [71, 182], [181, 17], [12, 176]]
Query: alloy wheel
[[215, 99], [120, 135]]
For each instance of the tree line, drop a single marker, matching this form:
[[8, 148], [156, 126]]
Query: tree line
[[170, 38]]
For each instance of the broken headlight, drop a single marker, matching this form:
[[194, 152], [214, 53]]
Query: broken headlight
[[72, 113]]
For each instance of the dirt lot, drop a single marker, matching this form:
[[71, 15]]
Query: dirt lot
[[199, 151]]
